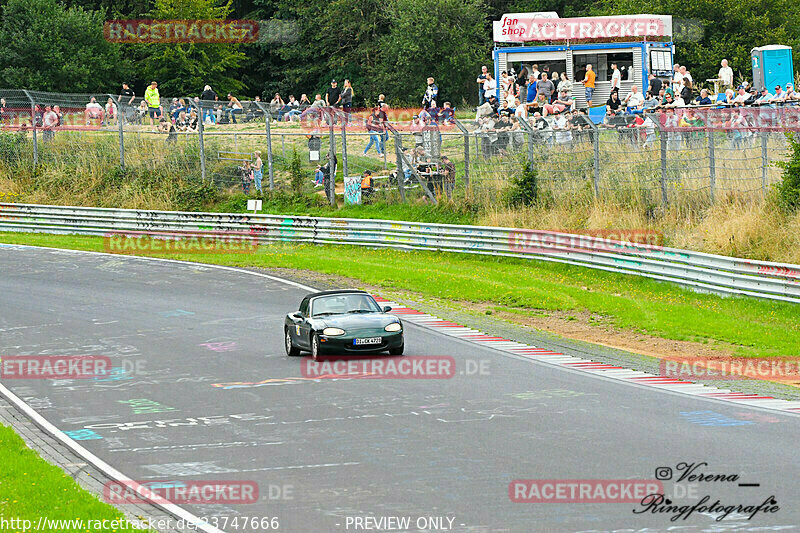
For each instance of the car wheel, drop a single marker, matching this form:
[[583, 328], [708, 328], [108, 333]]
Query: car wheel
[[315, 349], [291, 350], [398, 350]]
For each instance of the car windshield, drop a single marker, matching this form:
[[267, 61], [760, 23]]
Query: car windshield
[[339, 304]]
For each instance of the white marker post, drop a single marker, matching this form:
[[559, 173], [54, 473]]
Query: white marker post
[[255, 205]]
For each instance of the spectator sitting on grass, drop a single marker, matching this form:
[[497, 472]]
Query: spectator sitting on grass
[[93, 110], [182, 122], [447, 115], [165, 126], [193, 120]]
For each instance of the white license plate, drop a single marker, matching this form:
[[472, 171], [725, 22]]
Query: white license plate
[[372, 340]]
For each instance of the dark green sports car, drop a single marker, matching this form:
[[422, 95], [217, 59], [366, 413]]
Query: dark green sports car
[[346, 322]]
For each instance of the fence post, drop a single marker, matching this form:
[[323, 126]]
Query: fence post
[[269, 145], [405, 161], [200, 129], [712, 163], [33, 127], [663, 165], [344, 146], [596, 159], [331, 191], [764, 162], [529, 130], [120, 120], [465, 133], [401, 175]]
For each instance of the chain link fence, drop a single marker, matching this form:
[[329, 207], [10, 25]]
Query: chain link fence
[[679, 156]]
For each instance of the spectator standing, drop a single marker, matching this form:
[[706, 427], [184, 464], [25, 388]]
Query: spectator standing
[[431, 94], [725, 74], [333, 97], [588, 84], [480, 81], [208, 95], [685, 73], [449, 175], [153, 100], [258, 170], [545, 87], [531, 93], [489, 87], [565, 84], [347, 100], [686, 90], [677, 79], [616, 77], [654, 84], [520, 83], [375, 128], [49, 123], [126, 98], [247, 176]]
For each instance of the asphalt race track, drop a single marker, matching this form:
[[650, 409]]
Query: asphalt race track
[[202, 390]]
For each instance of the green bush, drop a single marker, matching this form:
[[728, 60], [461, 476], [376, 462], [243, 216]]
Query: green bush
[[524, 188], [789, 187], [196, 195]]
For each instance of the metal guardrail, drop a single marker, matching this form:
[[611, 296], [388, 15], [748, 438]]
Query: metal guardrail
[[700, 271]]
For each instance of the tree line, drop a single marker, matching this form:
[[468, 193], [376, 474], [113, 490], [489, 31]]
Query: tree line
[[382, 46]]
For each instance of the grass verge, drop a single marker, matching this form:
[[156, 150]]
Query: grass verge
[[741, 327], [31, 488]]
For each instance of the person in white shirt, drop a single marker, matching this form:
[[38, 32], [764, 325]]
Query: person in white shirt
[[685, 73], [635, 99], [677, 79], [561, 127], [616, 76], [93, 110], [725, 74], [677, 101], [489, 87], [741, 97]]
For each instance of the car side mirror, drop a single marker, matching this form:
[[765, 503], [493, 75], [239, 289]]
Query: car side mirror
[[386, 309], [297, 315]]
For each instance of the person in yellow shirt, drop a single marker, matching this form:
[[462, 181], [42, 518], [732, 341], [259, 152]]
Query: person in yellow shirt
[[153, 100], [588, 83]]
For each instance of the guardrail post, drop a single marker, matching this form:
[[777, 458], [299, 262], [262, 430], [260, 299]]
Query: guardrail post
[[269, 145], [344, 147], [663, 167], [33, 127], [764, 162], [712, 164]]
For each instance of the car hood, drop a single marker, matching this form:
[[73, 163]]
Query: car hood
[[357, 321]]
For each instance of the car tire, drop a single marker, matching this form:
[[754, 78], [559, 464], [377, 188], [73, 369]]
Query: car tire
[[316, 350], [291, 349], [398, 350]]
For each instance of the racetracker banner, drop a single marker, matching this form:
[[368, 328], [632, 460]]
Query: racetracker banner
[[522, 28]]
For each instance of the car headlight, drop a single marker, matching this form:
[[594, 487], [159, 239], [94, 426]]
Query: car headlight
[[394, 326], [333, 332]]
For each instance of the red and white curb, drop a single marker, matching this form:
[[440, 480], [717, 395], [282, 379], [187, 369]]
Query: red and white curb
[[637, 377]]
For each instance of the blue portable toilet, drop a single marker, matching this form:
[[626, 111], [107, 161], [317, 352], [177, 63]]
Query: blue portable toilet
[[772, 65]]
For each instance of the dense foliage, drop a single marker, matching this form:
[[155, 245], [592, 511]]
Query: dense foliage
[[789, 187], [382, 46]]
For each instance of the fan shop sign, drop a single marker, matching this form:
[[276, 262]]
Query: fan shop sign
[[515, 28]]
